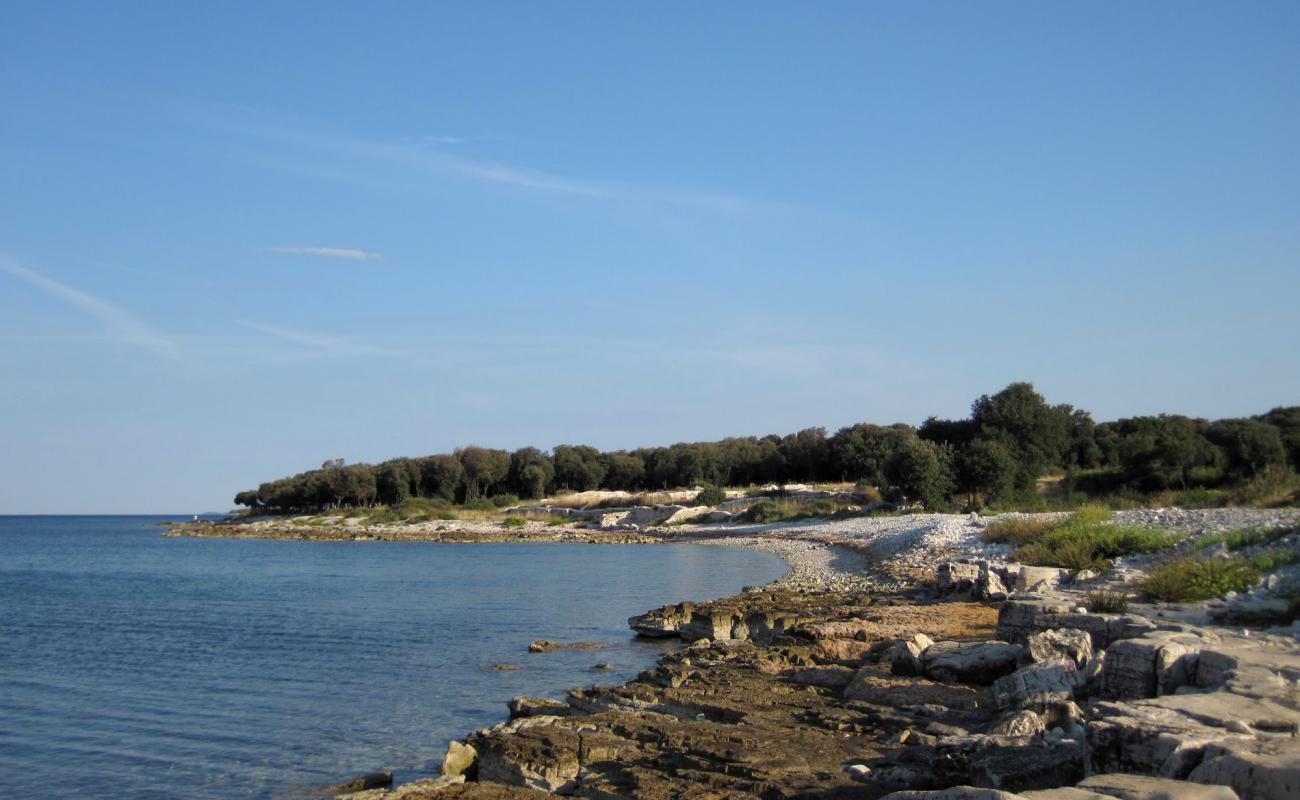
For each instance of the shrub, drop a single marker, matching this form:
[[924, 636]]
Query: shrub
[[1106, 601], [712, 496], [1244, 537], [446, 515], [1274, 557], [505, 500], [1088, 540], [513, 522], [1185, 579], [1016, 530], [819, 508], [764, 511]]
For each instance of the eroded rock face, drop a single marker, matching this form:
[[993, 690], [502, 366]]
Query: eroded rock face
[[1037, 685], [1149, 666], [1071, 644], [1146, 787], [972, 662]]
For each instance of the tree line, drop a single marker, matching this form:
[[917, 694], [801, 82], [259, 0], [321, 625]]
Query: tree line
[[1009, 440]]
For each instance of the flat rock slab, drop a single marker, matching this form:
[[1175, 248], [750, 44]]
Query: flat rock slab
[[1145, 787]]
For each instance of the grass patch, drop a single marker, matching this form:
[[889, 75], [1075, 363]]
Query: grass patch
[[1274, 557], [766, 511], [1016, 531], [1087, 539], [514, 522], [1186, 579], [1106, 601], [1245, 537]]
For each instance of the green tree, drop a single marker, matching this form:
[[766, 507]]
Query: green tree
[[483, 469], [578, 467], [986, 467], [531, 472], [441, 476], [1036, 433]]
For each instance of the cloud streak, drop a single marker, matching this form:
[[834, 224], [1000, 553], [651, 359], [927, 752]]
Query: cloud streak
[[425, 156], [321, 344], [349, 254], [118, 323]]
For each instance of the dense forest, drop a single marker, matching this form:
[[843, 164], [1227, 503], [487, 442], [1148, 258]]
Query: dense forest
[[1010, 440]]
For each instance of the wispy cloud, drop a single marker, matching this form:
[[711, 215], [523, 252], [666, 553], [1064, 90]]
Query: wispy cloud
[[426, 155], [118, 323], [348, 253], [320, 344]]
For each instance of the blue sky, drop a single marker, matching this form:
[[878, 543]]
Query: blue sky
[[241, 238]]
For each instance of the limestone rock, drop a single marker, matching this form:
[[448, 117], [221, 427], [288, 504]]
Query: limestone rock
[[662, 622], [1265, 775], [371, 780], [978, 662], [1146, 787], [952, 793], [1037, 685], [954, 576], [1019, 723], [459, 760], [522, 706], [1040, 578], [1147, 667], [1068, 643], [906, 656]]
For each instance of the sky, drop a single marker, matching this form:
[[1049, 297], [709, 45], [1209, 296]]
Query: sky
[[238, 239]]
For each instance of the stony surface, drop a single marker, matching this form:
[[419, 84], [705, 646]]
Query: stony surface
[[902, 654]]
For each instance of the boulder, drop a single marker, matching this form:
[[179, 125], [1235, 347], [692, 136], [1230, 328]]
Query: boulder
[[1254, 772], [459, 760], [1071, 644], [1146, 787], [1037, 685], [1040, 578], [976, 662], [522, 706], [952, 793], [956, 576], [1149, 666], [1019, 723], [371, 780], [906, 656], [662, 622], [989, 585]]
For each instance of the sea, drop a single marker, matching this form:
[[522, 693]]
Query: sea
[[134, 665]]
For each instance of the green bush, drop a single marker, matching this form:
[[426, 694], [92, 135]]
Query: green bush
[[712, 496], [505, 500], [1274, 557], [1244, 537], [514, 522], [1088, 540], [1016, 531], [1185, 579], [764, 511]]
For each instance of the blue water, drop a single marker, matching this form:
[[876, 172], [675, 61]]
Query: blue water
[[134, 665]]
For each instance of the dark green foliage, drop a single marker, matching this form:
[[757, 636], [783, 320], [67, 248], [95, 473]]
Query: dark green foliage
[[531, 472], [1012, 439], [1037, 434], [483, 469], [712, 496], [514, 522], [578, 468], [1185, 579], [987, 467]]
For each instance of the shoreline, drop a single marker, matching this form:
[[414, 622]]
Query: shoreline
[[827, 684]]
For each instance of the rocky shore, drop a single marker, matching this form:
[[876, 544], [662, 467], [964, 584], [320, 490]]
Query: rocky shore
[[902, 657]]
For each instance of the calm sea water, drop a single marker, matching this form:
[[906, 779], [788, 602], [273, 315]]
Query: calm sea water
[[133, 665]]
